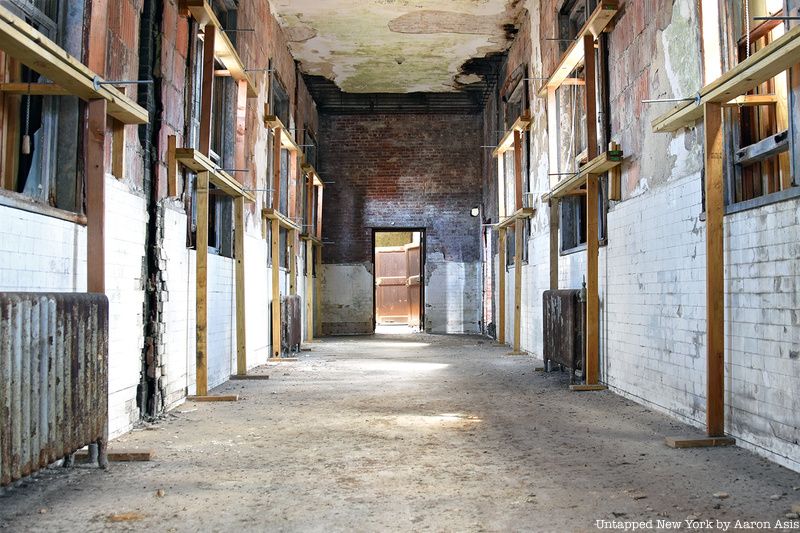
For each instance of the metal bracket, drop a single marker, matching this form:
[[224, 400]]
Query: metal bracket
[[97, 82]]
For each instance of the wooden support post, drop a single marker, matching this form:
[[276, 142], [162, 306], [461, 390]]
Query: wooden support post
[[518, 244], [309, 290], [715, 273], [276, 169], [318, 299], [201, 282], [552, 135], [95, 196], [501, 287], [554, 244], [172, 167], [592, 296], [320, 191], [276, 288], [241, 294], [517, 170], [118, 150], [209, 37], [590, 94]]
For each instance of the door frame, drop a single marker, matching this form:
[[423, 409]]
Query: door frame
[[422, 253]]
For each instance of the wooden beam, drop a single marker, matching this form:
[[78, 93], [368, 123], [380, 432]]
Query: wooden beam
[[572, 58], [552, 135], [763, 149], [284, 221], [523, 123], [34, 89], [118, 150], [241, 294], [223, 47], [201, 284], [599, 165], [96, 195], [21, 41], [207, 84], [587, 388], [195, 161], [592, 279], [752, 100], [207, 398], [276, 288], [518, 170], [554, 242], [276, 169], [699, 442], [522, 213], [518, 244], [309, 291], [172, 166], [776, 57], [501, 287], [282, 132], [715, 272], [590, 96]]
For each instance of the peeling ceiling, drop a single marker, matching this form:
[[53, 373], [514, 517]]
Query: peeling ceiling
[[396, 46]]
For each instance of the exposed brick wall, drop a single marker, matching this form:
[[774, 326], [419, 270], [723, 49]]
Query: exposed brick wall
[[401, 171]]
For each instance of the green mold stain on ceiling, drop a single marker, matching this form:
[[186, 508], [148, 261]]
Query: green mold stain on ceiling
[[395, 46]]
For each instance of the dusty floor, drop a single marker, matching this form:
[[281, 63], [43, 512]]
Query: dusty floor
[[405, 433]]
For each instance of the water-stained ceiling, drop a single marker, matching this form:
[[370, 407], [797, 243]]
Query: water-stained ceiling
[[396, 46]]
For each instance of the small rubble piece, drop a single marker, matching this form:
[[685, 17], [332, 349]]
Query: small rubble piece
[[125, 517], [722, 495], [775, 497], [160, 493]]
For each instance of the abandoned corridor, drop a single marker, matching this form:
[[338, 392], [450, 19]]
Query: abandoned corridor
[[404, 432]]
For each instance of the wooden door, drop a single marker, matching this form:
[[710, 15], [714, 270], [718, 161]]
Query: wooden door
[[414, 284], [391, 285]]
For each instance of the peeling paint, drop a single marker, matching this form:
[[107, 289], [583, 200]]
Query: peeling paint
[[396, 46]]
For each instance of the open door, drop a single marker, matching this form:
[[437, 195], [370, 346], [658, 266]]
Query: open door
[[398, 283]]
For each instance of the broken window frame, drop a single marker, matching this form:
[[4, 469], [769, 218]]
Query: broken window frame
[[573, 20], [752, 128], [53, 191], [222, 140]]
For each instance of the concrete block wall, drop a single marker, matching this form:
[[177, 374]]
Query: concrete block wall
[[402, 171]]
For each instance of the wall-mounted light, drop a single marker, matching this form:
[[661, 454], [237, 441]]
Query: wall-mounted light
[[475, 211]]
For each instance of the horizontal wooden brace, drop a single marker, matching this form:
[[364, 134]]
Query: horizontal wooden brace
[[195, 161], [23, 42], [763, 149], [283, 220]]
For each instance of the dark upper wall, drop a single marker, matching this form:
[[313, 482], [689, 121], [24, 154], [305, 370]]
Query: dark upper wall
[[401, 171]]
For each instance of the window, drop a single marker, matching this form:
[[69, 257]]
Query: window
[[39, 132], [573, 223], [759, 140], [220, 206], [571, 18]]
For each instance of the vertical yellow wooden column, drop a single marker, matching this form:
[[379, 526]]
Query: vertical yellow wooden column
[[715, 273], [276, 288], [518, 238], [241, 295], [309, 290], [592, 296], [501, 287], [201, 281]]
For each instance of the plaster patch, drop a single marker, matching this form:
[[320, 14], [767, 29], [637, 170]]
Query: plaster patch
[[445, 22]]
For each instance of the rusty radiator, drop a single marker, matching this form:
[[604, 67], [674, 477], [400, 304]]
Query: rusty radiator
[[291, 324], [564, 329], [53, 378]]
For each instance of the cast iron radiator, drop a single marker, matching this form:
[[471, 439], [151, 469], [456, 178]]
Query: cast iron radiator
[[564, 329], [291, 324], [53, 378]]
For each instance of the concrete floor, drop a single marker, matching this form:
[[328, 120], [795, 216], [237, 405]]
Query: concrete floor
[[406, 432]]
